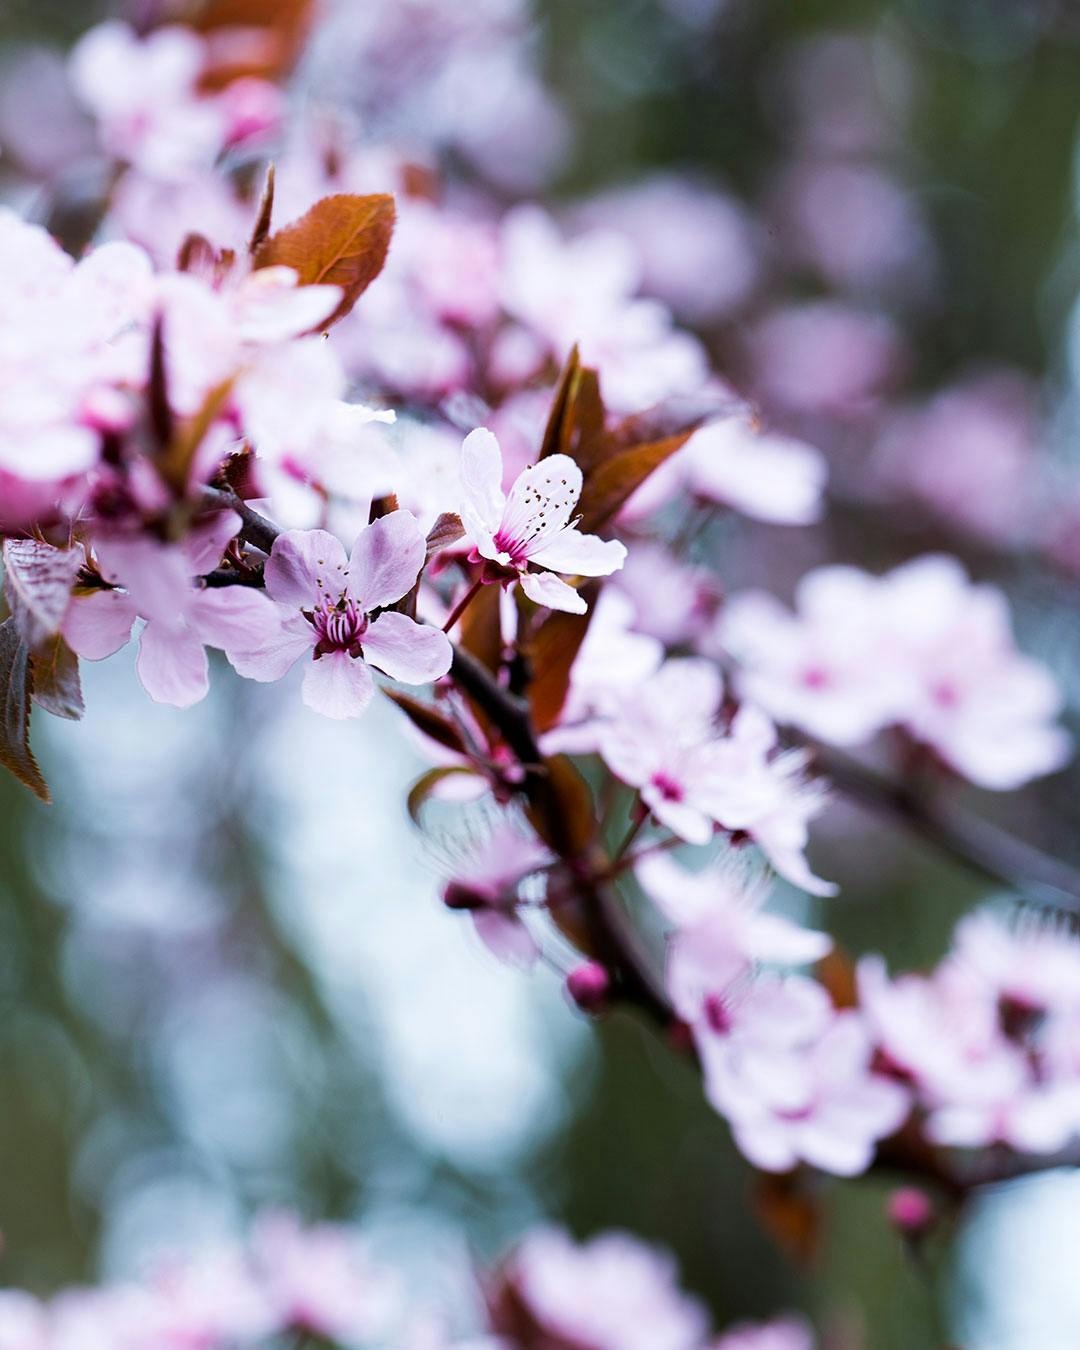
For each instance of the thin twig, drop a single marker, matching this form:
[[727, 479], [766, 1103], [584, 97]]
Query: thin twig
[[975, 843]]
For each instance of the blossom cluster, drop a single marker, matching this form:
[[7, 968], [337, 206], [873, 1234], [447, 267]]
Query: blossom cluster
[[612, 1292], [485, 454]]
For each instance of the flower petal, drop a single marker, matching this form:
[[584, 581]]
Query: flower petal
[[404, 650], [481, 478], [338, 685], [98, 624], [281, 645], [172, 665], [546, 589], [583, 555], [541, 503], [234, 616], [306, 566], [386, 560]]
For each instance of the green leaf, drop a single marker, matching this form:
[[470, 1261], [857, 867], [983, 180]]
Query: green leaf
[[16, 686]]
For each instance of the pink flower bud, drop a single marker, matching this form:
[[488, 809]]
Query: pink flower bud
[[589, 985], [910, 1211], [456, 895]]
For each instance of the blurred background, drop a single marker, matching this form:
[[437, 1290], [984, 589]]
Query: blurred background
[[226, 980]]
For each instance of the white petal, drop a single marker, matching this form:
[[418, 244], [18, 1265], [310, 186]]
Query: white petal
[[481, 478], [338, 686], [386, 560], [585, 555], [546, 589]]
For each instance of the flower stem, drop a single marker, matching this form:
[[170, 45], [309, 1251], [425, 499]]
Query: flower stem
[[463, 604]]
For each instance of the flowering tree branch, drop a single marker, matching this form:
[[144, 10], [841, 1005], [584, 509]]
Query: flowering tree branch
[[973, 842]]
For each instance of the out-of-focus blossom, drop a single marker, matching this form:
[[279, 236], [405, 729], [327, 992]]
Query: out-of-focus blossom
[[155, 582], [782, 1333], [145, 95], [983, 1038], [969, 454], [531, 526], [72, 342], [823, 358], [922, 648], [731, 462], [794, 1078], [610, 1293], [323, 602], [673, 602], [719, 926], [698, 247], [584, 291], [664, 739], [612, 658], [857, 227], [319, 1280], [487, 882]]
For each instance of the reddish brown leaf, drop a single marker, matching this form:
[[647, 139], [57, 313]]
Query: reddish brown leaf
[[551, 652], [616, 479], [261, 38], [445, 533], [577, 419], [837, 973], [342, 241], [57, 687], [561, 810], [481, 629], [37, 582], [428, 719], [261, 231], [790, 1214], [564, 391], [16, 686]]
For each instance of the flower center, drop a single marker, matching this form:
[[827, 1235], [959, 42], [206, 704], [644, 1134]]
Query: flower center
[[669, 789], [515, 549], [338, 628]]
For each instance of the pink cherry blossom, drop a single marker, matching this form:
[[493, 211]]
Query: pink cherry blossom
[[794, 1079], [323, 605], [719, 926], [783, 1333], [610, 1293], [922, 648], [155, 582], [664, 739], [531, 527], [488, 883], [143, 93], [320, 1280]]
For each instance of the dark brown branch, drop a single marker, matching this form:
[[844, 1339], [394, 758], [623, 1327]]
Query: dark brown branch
[[254, 528], [976, 844]]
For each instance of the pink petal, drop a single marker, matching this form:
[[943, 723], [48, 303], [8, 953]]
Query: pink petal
[[506, 937], [544, 588], [386, 560], [203, 546], [338, 685], [282, 643], [481, 481], [172, 665], [234, 617], [404, 650], [583, 555], [306, 566], [98, 624]]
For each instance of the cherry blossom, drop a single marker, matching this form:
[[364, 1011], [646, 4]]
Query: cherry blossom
[[783, 1333], [794, 1078], [611, 1293], [664, 739], [532, 525], [324, 600], [488, 883], [921, 647], [153, 581]]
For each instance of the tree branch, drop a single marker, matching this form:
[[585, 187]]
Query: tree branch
[[975, 843]]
